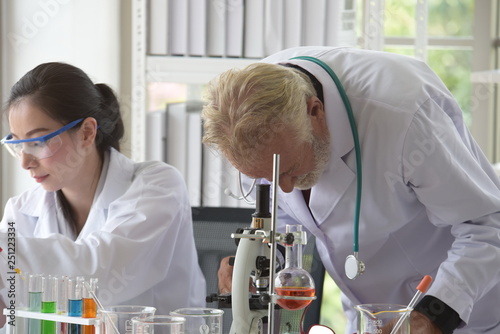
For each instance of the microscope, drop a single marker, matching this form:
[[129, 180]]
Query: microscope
[[256, 262]]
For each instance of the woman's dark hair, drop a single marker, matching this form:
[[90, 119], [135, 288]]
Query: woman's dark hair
[[66, 94]]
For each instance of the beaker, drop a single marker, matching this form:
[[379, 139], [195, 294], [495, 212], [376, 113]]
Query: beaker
[[158, 324], [200, 320], [294, 285], [380, 318], [120, 317]]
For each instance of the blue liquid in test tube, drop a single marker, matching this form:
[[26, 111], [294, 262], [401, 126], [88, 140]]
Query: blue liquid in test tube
[[74, 304]]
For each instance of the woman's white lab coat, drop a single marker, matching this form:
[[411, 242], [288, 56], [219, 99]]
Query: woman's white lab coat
[[138, 238], [430, 199]]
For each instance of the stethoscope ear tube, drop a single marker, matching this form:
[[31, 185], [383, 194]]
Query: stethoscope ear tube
[[353, 266]]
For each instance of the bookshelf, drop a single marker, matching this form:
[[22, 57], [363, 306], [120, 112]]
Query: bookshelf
[[192, 41], [161, 53], [189, 70]]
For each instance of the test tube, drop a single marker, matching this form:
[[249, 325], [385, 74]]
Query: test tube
[[89, 307], [22, 280], [35, 302], [74, 304], [49, 302], [62, 302]]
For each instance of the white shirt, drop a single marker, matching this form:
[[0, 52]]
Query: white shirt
[[138, 238], [430, 200]]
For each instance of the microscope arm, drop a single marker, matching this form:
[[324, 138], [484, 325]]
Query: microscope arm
[[244, 320]]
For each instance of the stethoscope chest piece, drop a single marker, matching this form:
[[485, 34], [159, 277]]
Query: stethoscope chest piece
[[354, 267]]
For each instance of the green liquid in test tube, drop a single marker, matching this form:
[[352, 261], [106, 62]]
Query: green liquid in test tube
[[35, 302], [49, 302]]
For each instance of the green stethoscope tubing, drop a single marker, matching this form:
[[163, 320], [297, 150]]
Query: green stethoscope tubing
[[357, 147]]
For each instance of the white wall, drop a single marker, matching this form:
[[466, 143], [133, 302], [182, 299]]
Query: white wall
[[85, 33]]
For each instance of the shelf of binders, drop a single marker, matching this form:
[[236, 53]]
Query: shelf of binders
[[52, 317], [191, 70]]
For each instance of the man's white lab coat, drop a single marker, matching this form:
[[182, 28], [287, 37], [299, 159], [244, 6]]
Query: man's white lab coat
[[430, 200]]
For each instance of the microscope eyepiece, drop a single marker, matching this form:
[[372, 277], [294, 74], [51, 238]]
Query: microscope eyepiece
[[262, 201]]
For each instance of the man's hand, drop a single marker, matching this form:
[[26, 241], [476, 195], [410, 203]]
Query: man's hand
[[419, 324], [225, 275]]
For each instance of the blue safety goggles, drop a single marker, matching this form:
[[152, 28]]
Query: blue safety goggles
[[39, 147]]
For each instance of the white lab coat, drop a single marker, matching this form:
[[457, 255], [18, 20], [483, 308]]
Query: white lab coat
[[430, 199], [138, 238]]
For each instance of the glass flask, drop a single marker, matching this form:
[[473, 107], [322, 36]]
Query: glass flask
[[294, 285]]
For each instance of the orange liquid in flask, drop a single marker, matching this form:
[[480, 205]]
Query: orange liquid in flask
[[294, 304]]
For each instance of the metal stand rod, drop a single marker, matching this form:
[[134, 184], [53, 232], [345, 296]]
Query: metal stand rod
[[272, 274]]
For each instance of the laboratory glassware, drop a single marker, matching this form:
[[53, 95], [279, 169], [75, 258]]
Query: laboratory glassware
[[160, 324], [294, 286], [89, 306], [74, 303], [372, 318], [50, 286], [201, 319], [35, 302], [120, 317], [62, 302], [22, 287], [421, 289]]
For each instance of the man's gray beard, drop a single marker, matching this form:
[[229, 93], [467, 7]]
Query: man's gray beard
[[321, 153]]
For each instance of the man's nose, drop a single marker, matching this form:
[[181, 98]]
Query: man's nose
[[287, 183]]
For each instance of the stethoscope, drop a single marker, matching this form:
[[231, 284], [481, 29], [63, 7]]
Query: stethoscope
[[354, 267]]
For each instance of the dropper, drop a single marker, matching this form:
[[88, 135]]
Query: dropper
[[421, 288]]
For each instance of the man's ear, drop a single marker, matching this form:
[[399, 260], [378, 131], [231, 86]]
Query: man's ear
[[316, 113], [314, 107]]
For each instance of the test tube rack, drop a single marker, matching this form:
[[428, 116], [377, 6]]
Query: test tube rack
[[52, 317]]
